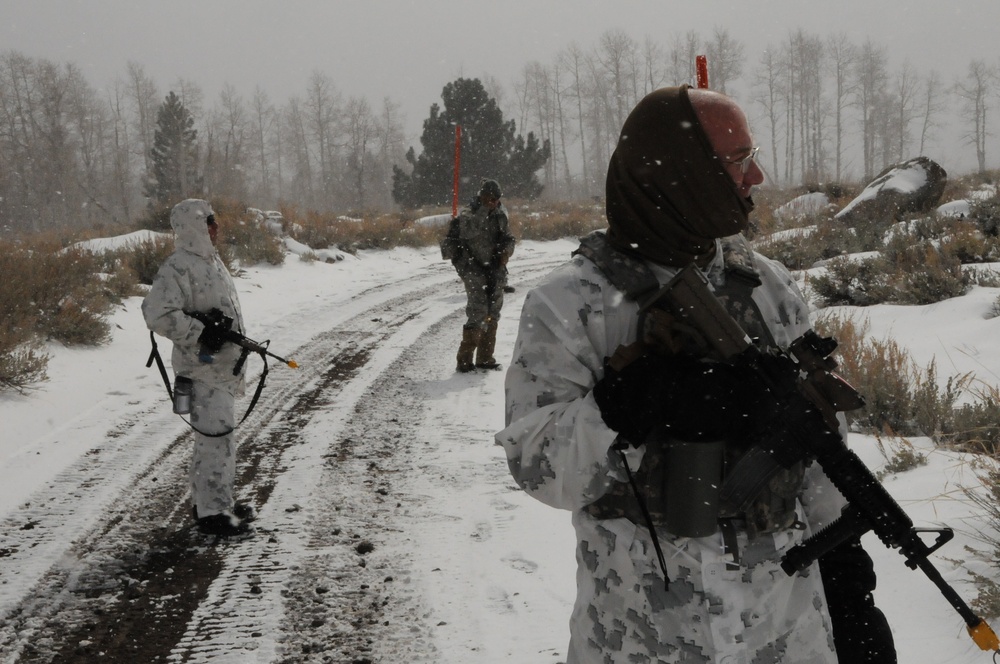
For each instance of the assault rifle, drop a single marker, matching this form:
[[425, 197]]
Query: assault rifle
[[807, 395], [216, 318]]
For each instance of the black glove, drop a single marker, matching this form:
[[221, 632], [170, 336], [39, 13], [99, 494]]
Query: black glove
[[690, 399], [860, 631], [215, 333]]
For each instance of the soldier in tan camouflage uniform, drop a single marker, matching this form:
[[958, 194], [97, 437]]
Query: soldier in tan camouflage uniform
[[479, 245], [592, 408]]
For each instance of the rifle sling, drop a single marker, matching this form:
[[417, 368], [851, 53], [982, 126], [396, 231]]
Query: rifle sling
[[154, 355]]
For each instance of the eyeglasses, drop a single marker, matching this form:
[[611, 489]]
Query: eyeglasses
[[745, 161]]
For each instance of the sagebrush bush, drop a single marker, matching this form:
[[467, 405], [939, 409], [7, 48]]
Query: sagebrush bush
[[975, 426], [68, 295], [823, 239], [854, 282], [243, 238], [557, 221], [145, 258], [900, 455], [47, 294], [900, 397], [22, 362], [985, 213], [250, 242]]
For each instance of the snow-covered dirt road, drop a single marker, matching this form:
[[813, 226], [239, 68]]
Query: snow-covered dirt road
[[344, 458], [389, 529]]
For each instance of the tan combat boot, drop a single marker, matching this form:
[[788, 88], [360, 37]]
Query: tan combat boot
[[470, 339], [487, 344]]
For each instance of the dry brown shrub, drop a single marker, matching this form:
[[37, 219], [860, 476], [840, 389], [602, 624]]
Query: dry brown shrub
[[900, 397], [555, 221]]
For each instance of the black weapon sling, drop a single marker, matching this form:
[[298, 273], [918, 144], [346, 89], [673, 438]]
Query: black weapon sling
[[154, 356]]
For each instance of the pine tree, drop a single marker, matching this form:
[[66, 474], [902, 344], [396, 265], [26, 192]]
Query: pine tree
[[174, 156], [490, 149]]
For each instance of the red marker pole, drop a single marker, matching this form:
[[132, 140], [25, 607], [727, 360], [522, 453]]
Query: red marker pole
[[701, 68], [458, 159]]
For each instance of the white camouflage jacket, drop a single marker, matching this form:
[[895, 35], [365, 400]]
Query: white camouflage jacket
[[717, 608], [194, 278]]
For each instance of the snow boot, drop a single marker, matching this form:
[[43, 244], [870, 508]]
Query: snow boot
[[224, 524], [487, 344], [241, 511], [470, 339]]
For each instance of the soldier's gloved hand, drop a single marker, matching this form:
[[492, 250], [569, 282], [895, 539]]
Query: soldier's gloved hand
[[212, 337], [690, 399]]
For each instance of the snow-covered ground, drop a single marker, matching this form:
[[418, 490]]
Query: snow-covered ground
[[376, 440]]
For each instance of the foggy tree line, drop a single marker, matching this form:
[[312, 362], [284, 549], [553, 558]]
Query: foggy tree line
[[824, 109], [71, 154]]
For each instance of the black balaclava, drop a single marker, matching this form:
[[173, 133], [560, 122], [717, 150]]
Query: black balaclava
[[668, 196]]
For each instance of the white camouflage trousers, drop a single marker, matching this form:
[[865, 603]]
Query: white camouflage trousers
[[213, 462]]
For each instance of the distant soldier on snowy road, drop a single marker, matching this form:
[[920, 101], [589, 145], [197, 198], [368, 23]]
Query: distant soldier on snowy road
[[479, 244]]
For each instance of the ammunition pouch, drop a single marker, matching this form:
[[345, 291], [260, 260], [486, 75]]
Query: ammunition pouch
[[680, 482]]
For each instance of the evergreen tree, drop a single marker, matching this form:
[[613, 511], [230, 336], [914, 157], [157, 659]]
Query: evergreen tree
[[174, 156], [490, 149]]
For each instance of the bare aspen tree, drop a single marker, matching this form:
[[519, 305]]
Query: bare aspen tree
[[768, 91], [841, 57], [559, 124], [145, 100], [725, 59], [391, 144], [975, 91], [522, 90], [359, 130], [653, 66], [790, 68], [906, 85], [55, 167], [572, 60], [615, 55], [88, 123], [230, 131], [931, 107], [192, 96], [681, 59], [19, 204], [870, 81], [122, 158], [599, 112], [301, 185], [543, 100], [262, 118], [322, 106]]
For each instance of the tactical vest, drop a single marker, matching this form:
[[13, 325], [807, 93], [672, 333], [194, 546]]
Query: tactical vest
[[774, 508]]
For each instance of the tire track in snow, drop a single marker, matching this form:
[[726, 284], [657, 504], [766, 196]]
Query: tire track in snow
[[54, 529], [303, 522], [139, 552]]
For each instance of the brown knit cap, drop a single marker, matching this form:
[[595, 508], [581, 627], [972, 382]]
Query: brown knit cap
[[668, 196]]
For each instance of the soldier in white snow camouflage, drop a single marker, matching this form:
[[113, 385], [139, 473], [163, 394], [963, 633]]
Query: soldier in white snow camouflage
[[194, 279], [587, 393]]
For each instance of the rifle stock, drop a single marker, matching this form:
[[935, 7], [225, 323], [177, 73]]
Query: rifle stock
[[808, 396]]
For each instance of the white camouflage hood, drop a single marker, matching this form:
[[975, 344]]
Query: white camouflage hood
[[190, 228]]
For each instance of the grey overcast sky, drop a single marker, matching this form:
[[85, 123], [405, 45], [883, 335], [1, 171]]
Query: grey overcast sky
[[409, 49]]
